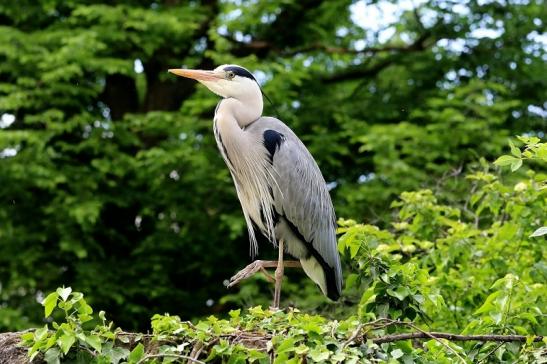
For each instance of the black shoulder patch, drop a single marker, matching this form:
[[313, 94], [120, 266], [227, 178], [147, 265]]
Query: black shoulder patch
[[272, 141], [240, 71]]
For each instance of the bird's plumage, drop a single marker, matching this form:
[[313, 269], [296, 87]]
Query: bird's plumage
[[304, 216], [278, 183], [295, 205]]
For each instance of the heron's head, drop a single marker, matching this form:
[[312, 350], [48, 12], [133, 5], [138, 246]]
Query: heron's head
[[227, 80]]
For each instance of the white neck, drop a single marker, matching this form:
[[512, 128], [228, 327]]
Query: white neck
[[243, 112], [247, 161]]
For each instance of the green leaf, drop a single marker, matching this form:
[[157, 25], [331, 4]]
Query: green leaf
[[301, 349], [116, 354], [351, 280], [136, 354], [27, 336], [66, 341], [539, 232], [319, 354], [488, 305], [286, 345], [234, 313], [505, 160], [514, 150], [400, 293], [40, 333], [49, 303], [338, 357], [516, 165], [397, 353], [94, 341], [52, 356], [64, 292]]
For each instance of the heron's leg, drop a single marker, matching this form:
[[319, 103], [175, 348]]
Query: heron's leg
[[260, 266], [278, 276]]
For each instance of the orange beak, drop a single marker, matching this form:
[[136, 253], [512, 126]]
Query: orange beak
[[199, 75]]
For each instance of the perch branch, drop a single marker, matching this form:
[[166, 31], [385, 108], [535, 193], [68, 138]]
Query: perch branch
[[452, 337]]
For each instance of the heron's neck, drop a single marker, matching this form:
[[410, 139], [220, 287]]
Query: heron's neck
[[243, 112]]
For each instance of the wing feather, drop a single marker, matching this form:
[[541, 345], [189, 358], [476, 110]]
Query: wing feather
[[301, 195]]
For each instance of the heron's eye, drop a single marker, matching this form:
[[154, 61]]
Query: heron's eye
[[230, 75]]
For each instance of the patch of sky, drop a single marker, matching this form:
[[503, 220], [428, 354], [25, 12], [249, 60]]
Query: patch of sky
[[367, 177], [342, 32], [307, 62], [240, 37], [232, 15], [9, 152], [537, 110], [379, 17], [222, 30], [201, 45], [453, 45], [6, 120], [268, 18], [138, 66], [262, 77], [174, 175]]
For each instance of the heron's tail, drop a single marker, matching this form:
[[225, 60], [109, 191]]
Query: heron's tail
[[326, 277]]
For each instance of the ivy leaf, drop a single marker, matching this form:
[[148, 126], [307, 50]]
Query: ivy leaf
[[319, 354], [27, 336], [49, 303], [94, 341], [66, 341], [64, 292], [286, 345], [397, 353], [52, 356], [136, 354], [118, 354], [235, 313], [400, 293], [40, 334]]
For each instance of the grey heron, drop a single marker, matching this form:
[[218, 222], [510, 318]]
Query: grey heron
[[279, 185]]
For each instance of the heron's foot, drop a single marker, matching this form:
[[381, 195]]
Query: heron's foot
[[260, 266], [252, 269]]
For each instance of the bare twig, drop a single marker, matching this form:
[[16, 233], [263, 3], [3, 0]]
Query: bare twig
[[437, 339], [353, 336], [170, 355], [490, 353], [196, 350]]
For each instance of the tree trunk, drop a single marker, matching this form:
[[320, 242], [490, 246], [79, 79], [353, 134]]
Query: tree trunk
[[11, 352]]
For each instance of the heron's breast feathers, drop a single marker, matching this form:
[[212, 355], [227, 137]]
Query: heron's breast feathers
[[255, 180]]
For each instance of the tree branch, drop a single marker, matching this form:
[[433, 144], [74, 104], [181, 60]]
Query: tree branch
[[11, 350], [261, 46], [452, 337], [361, 71]]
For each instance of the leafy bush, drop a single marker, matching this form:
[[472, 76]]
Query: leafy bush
[[443, 274]]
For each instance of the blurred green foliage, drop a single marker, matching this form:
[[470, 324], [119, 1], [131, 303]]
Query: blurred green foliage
[[112, 184]]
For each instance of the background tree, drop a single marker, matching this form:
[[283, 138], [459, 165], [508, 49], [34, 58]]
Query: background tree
[[111, 181]]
